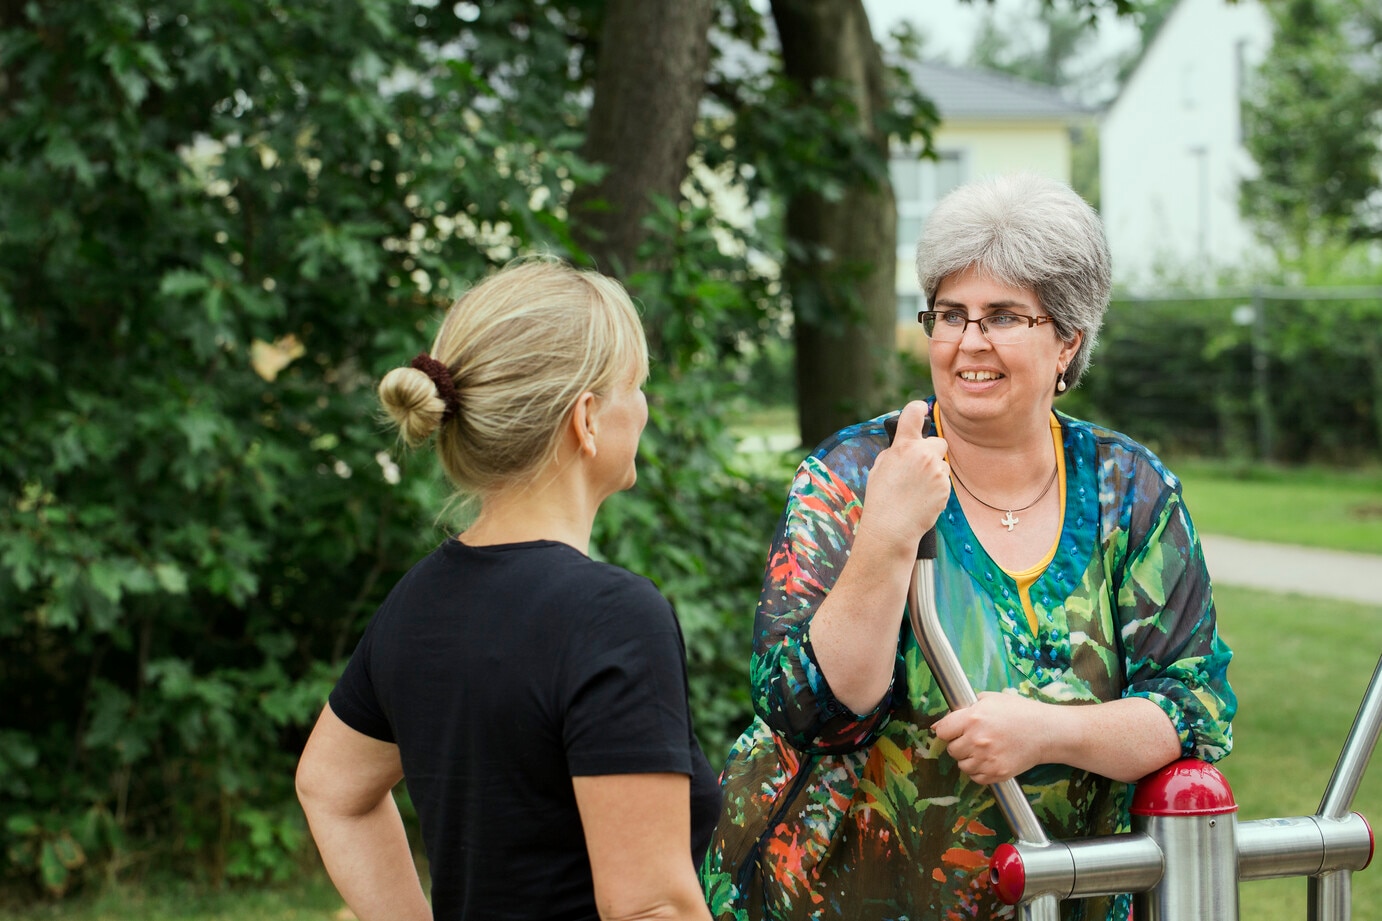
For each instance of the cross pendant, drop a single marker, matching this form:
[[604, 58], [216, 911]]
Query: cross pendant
[[1011, 521]]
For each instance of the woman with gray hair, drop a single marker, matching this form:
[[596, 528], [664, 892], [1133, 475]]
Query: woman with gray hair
[[1069, 580]]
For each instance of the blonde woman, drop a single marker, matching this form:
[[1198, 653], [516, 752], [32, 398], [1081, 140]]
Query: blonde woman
[[533, 699]]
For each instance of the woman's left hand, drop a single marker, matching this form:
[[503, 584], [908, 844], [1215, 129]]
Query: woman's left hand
[[998, 737], [1003, 734]]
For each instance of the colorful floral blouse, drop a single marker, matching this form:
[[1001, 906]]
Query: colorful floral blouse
[[828, 814]]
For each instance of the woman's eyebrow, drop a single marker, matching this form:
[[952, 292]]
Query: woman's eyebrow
[[991, 305]]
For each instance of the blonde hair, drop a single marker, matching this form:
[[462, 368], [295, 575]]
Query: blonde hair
[[520, 346]]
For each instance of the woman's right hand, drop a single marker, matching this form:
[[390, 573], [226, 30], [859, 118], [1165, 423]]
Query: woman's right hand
[[909, 484], [854, 631]]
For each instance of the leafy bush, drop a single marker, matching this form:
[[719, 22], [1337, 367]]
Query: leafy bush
[[218, 227], [1299, 382]]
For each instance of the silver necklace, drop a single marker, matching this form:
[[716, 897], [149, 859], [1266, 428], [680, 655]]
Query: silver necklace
[[1009, 520]]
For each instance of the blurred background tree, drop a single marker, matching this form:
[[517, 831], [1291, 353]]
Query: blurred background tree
[[1319, 186], [220, 223]]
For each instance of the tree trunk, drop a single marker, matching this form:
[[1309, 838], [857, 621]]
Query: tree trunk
[[842, 263], [649, 81]]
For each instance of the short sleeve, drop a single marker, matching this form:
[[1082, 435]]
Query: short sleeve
[[353, 699], [625, 690]]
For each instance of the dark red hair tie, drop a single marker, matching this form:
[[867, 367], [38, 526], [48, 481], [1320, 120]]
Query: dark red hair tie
[[441, 376]]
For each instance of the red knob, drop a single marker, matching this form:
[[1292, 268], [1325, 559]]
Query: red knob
[[1185, 787], [1007, 874]]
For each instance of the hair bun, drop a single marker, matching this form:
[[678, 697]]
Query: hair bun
[[411, 399], [441, 377]]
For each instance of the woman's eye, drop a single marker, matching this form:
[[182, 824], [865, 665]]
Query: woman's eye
[[953, 318], [1005, 320]]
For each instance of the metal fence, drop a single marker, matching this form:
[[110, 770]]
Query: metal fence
[[1268, 373]]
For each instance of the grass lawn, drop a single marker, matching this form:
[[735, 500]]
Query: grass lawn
[[310, 898], [1300, 669], [1334, 509]]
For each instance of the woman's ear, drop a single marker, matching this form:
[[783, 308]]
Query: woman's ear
[[1068, 349], [581, 424]]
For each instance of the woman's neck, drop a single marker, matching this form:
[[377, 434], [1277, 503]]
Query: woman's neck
[[993, 451], [555, 507]]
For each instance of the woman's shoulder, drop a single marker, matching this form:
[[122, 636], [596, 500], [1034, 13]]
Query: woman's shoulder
[[1112, 453], [846, 456], [600, 592]]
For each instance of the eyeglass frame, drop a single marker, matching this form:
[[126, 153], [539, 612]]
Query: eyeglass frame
[[1032, 322]]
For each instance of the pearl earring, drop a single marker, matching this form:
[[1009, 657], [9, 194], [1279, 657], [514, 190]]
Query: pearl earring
[[1060, 383]]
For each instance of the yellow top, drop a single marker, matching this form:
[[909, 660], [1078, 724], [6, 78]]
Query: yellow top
[[1027, 577]]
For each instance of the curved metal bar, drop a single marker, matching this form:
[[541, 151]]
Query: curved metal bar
[[1357, 751], [958, 692], [1330, 894]]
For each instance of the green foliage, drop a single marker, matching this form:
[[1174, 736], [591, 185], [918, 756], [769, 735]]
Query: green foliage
[[1317, 183], [218, 224], [1273, 373], [1041, 48], [699, 520]]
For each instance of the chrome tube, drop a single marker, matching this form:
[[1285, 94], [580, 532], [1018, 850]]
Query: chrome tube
[[1200, 881], [1273, 848], [1353, 760], [1331, 892], [1078, 869], [958, 692], [1302, 846], [1330, 896]]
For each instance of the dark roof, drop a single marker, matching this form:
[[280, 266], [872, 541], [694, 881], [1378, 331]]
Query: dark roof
[[967, 92]]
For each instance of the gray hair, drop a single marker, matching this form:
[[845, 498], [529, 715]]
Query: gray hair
[[1025, 231]]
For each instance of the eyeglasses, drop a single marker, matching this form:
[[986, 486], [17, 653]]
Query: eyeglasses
[[998, 328]]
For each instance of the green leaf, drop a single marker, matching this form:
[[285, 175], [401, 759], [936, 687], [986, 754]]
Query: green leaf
[[53, 873], [171, 578], [182, 282], [107, 578]]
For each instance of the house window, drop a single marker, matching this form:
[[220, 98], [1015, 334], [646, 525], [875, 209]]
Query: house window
[[918, 184], [908, 305]]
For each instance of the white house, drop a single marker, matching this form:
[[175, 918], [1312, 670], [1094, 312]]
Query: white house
[[1171, 147], [990, 123]]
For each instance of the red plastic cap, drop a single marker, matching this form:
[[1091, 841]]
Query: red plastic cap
[[1372, 839], [1185, 787], [1007, 874]]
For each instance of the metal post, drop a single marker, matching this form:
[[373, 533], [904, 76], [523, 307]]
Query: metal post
[[1261, 361], [1331, 892], [1188, 809], [958, 693]]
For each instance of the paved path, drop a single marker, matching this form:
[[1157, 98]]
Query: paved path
[[1353, 577]]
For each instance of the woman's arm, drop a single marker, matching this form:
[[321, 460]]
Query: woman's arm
[[638, 835], [1004, 734], [854, 632], [1177, 700], [345, 782], [830, 613]]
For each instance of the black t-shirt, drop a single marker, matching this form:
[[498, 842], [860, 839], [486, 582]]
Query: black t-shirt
[[501, 672]]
